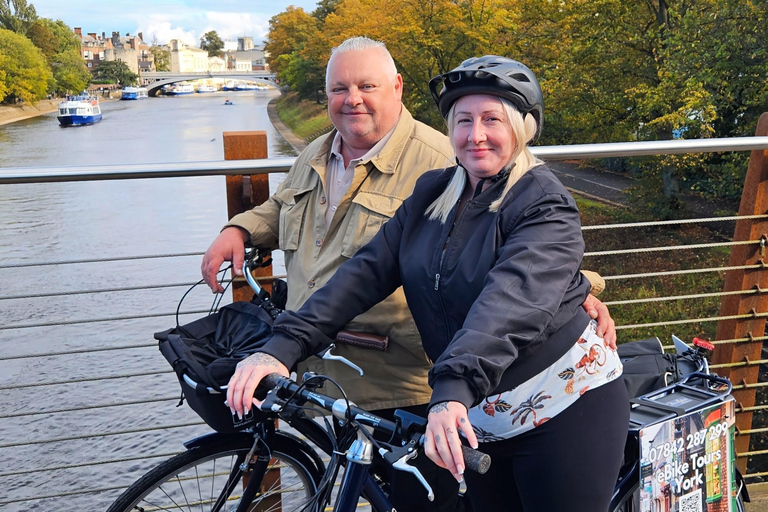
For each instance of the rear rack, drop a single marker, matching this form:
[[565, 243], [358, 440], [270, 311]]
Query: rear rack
[[696, 391]]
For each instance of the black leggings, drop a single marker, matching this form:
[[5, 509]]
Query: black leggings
[[406, 492], [568, 464]]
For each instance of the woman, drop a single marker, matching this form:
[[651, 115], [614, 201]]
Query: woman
[[488, 254]]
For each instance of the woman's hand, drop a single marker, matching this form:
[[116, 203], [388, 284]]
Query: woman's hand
[[246, 378], [443, 444], [606, 327]]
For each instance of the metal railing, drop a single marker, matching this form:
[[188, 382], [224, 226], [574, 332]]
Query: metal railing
[[106, 451]]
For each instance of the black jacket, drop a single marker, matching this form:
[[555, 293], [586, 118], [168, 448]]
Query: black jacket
[[496, 296]]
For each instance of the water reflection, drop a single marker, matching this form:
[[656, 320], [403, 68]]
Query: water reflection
[[98, 219]]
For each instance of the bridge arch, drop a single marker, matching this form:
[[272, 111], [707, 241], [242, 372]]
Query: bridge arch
[[156, 80]]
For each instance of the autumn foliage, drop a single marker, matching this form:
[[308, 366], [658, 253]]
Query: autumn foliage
[[611, 70]]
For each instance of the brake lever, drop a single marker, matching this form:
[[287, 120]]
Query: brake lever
[[399, 462], [326, 355]]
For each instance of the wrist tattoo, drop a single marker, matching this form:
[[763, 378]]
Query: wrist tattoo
[[442, 406], [262, 359]]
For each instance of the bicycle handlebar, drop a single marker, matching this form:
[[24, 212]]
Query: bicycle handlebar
[[474, 460]]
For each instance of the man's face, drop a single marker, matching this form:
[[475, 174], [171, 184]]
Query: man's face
[[363, 96]]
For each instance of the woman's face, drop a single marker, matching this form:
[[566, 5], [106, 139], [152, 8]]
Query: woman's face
[[482, 135]]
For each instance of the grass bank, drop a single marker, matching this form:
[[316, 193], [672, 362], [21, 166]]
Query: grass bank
[[307, 119], [640, 287]]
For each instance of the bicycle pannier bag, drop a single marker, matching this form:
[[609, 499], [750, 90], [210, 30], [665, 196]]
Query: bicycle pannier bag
[[646, 366], [208, 350]]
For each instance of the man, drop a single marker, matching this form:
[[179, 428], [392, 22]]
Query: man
[[338, 193]]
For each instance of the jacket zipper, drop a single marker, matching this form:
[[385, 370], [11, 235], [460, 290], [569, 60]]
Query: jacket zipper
[[442, 256]]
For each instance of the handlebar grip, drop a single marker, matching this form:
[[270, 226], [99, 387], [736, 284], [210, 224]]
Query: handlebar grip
[[266, 385], [271, 380], [476, 460]]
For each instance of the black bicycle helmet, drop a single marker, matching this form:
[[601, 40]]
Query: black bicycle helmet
[[491, 74]]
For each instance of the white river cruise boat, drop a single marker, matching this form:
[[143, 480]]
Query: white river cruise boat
[[178, 89], [79, 110]]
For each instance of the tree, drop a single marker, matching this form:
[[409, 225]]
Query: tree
[[116, 71], [297, 51], [27, 76], [654, 70], [17, 16], [212, 43], [324, 8], [61, 48], [162, 57], [425, 38], [70, 72], [289, 32]]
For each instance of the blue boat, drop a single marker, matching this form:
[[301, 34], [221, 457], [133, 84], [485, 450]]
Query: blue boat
[[134, 93], [79, 110]]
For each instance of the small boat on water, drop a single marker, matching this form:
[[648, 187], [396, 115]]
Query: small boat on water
[[228, 102], [79, 110], [178, 89], [134, 93], [206, 88]]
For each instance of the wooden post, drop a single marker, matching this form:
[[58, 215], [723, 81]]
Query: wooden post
[[754, 201], [245, 192]]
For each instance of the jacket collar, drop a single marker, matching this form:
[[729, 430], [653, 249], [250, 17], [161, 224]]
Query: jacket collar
[[385, 160]]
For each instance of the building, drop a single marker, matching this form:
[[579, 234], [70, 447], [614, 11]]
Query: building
[[132, 50], [250, 59], [129, 49], [188, 59], [92, 47], [216, 65]]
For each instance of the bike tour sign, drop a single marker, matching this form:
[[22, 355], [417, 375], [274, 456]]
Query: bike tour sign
[[687, 463]]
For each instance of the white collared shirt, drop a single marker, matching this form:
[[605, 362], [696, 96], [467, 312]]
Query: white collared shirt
[[338, 178]]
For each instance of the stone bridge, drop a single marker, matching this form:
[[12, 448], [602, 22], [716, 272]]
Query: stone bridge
[[155, 80]]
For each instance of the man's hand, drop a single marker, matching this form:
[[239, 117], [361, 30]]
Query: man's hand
[[228, 246], [442, 444], [246, 378], [606, 327]]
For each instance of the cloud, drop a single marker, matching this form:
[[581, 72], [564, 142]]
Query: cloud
[[186, 20], [163, 32], [232, 25]]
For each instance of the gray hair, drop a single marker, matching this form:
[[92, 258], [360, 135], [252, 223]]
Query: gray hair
[[359, 43]]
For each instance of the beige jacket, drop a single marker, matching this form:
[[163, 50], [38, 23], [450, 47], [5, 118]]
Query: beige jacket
[[294, 221]]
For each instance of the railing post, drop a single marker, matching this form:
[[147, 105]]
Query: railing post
[[754, 201], [245, 192]]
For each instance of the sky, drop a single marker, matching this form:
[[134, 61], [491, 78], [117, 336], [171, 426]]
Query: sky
[[164, 20]]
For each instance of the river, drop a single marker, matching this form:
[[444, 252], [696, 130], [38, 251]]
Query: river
[[55, 222]]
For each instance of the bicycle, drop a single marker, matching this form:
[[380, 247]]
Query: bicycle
[[693, 396], [305, 483], [300, 480]]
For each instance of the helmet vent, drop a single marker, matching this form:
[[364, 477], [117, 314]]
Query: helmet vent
[[520, 77]]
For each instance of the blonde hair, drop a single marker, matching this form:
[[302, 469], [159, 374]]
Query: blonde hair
[[522, 161]]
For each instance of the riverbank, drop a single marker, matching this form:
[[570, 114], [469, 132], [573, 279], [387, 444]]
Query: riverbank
[[13, 113], [291, 138]]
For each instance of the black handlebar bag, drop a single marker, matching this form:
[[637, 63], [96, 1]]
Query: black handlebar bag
[[208, 350]]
